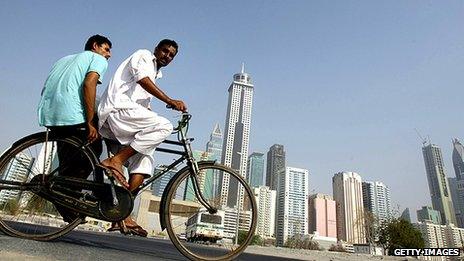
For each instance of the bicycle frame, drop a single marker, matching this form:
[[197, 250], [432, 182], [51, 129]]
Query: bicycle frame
[[185, 155]]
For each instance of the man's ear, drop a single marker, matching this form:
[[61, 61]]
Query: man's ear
[[94, 46]]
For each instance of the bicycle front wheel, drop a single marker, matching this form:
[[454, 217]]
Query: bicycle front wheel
[[200, 234], [25, 169]]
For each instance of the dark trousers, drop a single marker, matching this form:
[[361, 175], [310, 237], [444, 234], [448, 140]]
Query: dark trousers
[[72, 162]]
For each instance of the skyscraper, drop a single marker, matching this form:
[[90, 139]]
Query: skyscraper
[[438, 183], [214, 150], [376, 199], [406, 215], [237, 134], [457, 186], [266, 201], [255, 169], [292, 204], [322, 215], [158, 186], [458, 159], [214, 145], [347, 192], [429, 214], [18, 170], [275, 164]]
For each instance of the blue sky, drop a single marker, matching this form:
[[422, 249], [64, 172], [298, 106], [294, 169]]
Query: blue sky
[[341, 84]]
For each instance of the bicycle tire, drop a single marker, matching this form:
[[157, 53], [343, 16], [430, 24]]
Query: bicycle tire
[[26, 214], [215, 251]]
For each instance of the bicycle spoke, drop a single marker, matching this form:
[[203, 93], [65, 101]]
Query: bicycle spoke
[[24, 213], [201, 235]]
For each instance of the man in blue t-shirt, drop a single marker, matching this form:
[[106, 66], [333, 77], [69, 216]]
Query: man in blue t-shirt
[[67, 105]]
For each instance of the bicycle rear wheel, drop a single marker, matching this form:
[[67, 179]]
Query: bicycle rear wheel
[[200, 235], [25, 169]]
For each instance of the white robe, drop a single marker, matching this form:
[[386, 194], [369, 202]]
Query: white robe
[[125, 116]]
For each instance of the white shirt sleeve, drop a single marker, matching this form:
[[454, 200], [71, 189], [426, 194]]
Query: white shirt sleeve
[[141, 65]]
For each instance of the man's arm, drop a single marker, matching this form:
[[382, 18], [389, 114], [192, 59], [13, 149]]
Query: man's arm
[[151, 87], [90, 92]]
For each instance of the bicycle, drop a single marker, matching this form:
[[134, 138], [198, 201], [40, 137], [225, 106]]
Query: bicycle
[[31, 188]]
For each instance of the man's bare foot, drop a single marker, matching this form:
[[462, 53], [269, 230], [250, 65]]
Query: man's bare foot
[[116, 170], [134, 228]]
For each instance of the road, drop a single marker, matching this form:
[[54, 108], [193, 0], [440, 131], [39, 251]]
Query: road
[[85, 245]]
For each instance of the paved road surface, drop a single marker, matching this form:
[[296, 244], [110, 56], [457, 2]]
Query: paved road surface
[[85, 245]]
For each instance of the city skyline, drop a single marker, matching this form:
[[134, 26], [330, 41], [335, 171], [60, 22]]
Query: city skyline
[[362, 76]]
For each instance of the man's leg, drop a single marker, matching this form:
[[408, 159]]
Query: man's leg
[[139, 130], [135, 180], [72, 163], [116, 162]]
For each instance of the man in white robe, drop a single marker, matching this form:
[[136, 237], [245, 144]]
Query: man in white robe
[[125, 117]]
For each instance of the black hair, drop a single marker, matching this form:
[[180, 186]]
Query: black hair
[[168, 42], [96, 39]]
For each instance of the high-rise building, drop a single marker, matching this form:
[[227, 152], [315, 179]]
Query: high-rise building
[[18, 170], [347, 192], [406, 215], [255, 169], [232, 217], [292, 204], [24, 167], [376, 200], [322, 215], [205, 179], [458, 159], [438, 183], [214, 145], [214, 150], [427, 213], [456, 189], [441, 236], [275, 165], [266, 201], [457, 184], [237, 135], [158, 186]]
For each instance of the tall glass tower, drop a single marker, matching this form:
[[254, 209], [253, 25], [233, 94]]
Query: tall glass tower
[[237, 134], [457, 187], [438, 183], [214, 150], [214, 145], [255, 169], [458, 159], [275, 165]]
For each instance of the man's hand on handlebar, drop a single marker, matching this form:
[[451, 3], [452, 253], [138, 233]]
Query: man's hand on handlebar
[[177, 105]]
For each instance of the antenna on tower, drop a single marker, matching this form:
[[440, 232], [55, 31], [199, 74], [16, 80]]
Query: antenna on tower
[[243, 67], [424, 141]]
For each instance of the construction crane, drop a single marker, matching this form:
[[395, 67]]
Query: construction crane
[[424, 141]]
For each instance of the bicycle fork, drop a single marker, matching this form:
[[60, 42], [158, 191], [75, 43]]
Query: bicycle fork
[[196, 184], [192, 164]]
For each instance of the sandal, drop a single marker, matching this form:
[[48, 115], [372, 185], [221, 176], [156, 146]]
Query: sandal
[[115, 173], [118, 226], [114, 227], [137, 231]]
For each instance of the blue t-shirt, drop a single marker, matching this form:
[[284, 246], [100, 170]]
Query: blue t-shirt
[[62, 101]]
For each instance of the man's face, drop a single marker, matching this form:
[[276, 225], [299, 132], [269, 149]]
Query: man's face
[[103, 50], [164, 55]]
